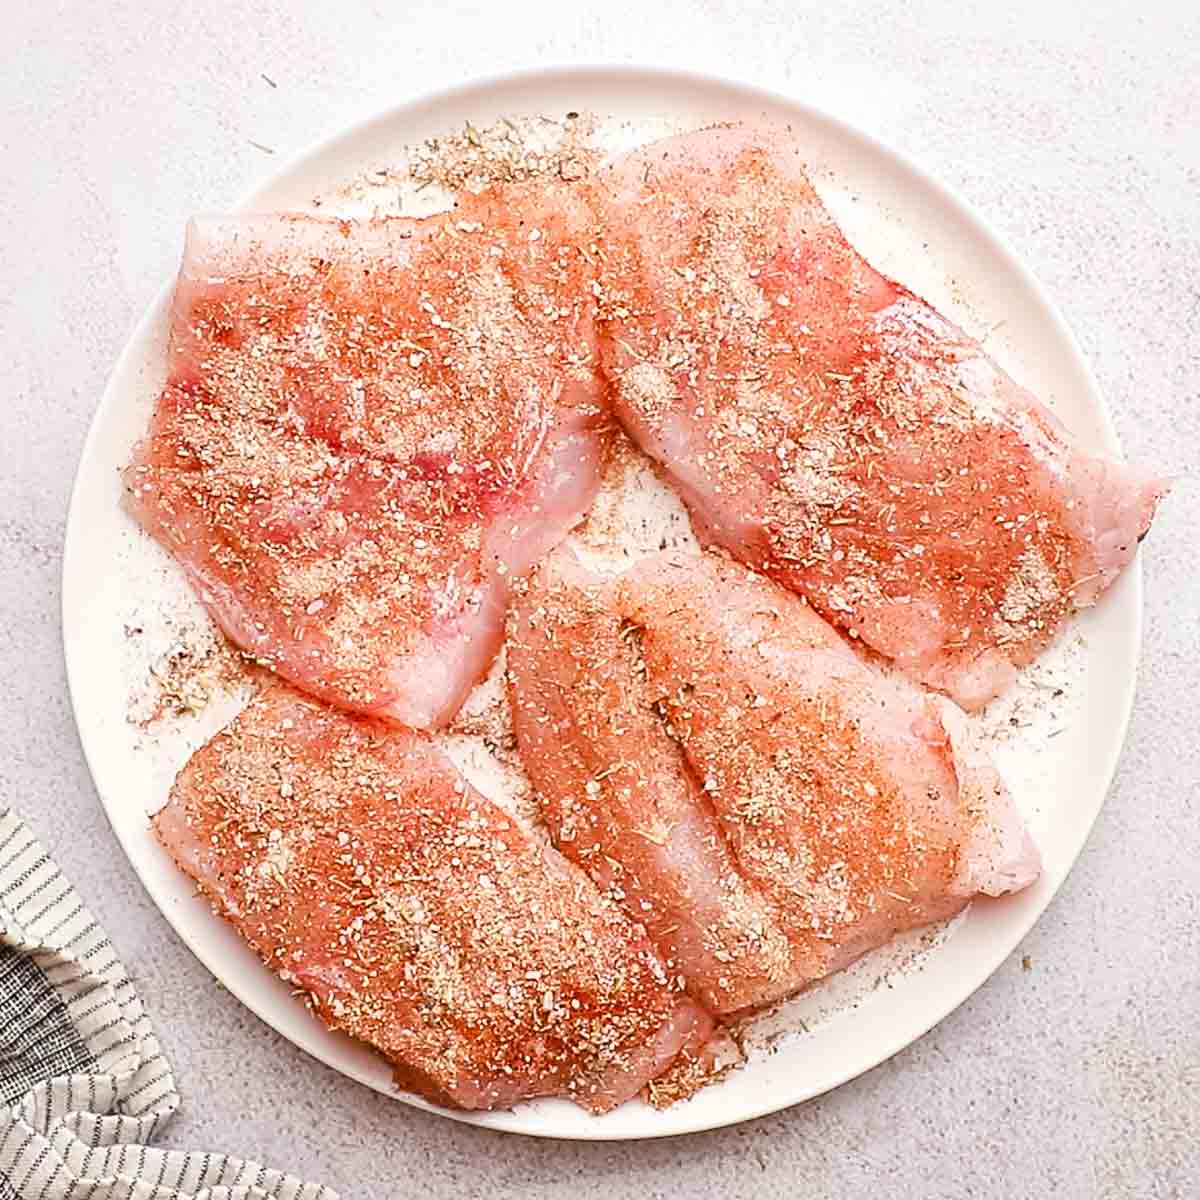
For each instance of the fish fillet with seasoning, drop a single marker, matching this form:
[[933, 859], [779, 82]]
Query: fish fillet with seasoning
[[830, 428], [618, 796], [419, 918], [859, 805], [368, 428]]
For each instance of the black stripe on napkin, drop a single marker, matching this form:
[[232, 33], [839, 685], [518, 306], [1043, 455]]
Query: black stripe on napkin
[[37, 1039]]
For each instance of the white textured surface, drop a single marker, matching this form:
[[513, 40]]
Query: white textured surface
[[1072, 132]]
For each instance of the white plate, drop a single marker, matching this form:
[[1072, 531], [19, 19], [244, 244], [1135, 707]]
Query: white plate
[[909, 226]]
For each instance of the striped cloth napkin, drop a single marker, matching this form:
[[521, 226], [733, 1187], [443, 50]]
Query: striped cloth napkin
[[84, 1086]]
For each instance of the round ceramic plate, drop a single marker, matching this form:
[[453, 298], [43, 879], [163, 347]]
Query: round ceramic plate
[[122, 598]]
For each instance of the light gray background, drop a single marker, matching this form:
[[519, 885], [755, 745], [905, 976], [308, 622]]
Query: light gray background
[[1074, 130]]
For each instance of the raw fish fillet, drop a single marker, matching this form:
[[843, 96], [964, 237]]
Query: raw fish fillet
[[859, 804], [830, 428], [368, 429], [418, 916], [618, 797]]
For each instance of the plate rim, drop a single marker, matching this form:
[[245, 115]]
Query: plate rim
[[602, 72]]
